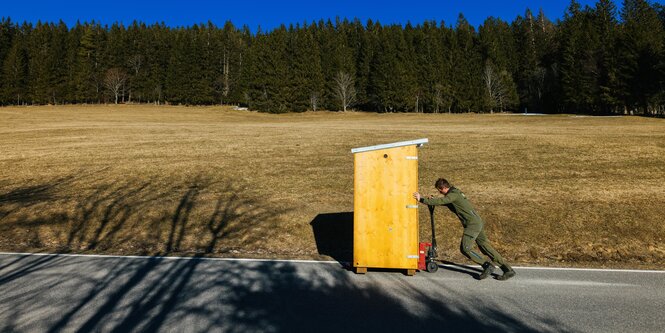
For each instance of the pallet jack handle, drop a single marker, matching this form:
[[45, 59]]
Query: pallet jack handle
[[431, 218]]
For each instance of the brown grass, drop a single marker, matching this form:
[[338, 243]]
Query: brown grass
[[555, 190]]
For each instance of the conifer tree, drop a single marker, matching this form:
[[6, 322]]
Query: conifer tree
[[253, 81], [59, 64], [445, 97], [157, 58], [529, 72], [230, 49], [498, 49], [606, 24], [245, 69], [640, 52], [39, 63], [15, 72], [7, 33], [201, 59], [269, 71], [365, 54], [468, 68], [413, 90], [385, 74], [305, 77], [136, 62]]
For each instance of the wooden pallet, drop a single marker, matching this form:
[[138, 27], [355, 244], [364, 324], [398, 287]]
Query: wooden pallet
[[363, 270]]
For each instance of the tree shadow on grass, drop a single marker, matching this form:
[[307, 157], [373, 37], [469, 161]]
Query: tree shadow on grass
[[34, 193], [30, 195], [106, 216], [136, 216]]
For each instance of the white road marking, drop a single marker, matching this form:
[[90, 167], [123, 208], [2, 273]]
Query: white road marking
[[575, 283], [314, 262], [567, 269], [591, 269]]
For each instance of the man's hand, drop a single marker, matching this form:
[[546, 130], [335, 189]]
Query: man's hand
[[416, 196]]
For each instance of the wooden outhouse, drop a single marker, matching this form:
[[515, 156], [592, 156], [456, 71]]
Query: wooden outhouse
[[385, 214]]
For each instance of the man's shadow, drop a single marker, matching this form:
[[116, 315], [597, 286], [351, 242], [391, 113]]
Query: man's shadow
[[459, 268], [333, 233]]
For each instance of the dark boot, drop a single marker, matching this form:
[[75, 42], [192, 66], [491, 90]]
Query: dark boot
[[507, 273], [488, 269]]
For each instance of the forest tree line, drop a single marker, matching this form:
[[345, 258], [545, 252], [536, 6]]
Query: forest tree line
[[595, 60]]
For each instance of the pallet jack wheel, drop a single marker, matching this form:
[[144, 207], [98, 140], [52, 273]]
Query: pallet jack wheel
[[432, 267]]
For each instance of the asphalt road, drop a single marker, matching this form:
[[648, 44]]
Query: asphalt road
[[120, 294]]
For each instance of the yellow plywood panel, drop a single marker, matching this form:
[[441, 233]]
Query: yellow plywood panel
[[385, 220]]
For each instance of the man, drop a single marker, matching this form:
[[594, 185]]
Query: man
[[457, 202]]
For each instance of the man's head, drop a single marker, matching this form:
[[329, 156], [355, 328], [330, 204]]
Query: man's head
[[442, 185]]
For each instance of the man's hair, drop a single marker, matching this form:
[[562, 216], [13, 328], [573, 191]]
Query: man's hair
[[441, 183]]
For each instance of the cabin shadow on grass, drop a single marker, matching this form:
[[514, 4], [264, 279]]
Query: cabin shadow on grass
[[333, 233]]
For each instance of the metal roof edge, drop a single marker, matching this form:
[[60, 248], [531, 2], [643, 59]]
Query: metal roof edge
[[418, 142]]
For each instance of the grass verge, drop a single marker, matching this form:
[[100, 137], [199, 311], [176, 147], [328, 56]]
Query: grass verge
[[555, 190]]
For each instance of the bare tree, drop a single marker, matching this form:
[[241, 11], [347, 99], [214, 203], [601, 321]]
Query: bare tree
[[223, 82], [219, 88], [158, 94], [537, 83], [248, 99], [438, 98], [16, 67], [442, 97], [114, 81], [314, 100], [225, 73], [345, 89], [135, 62], [494, 87]]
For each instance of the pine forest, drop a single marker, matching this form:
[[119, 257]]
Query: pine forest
[[595, 60]]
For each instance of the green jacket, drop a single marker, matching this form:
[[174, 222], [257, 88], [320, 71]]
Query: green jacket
[[457, 202]]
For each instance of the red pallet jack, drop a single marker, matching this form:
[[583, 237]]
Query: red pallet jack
[[426, 259]]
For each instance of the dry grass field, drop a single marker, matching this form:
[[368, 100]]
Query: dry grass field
[[555, 190]]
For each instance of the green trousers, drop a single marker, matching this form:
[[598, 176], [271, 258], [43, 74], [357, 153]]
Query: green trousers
[[466, 247]]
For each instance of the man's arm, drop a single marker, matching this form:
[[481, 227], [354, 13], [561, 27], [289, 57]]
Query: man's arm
[[438, 201]]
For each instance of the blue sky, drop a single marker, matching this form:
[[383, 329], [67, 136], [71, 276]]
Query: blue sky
[[270, 14]]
